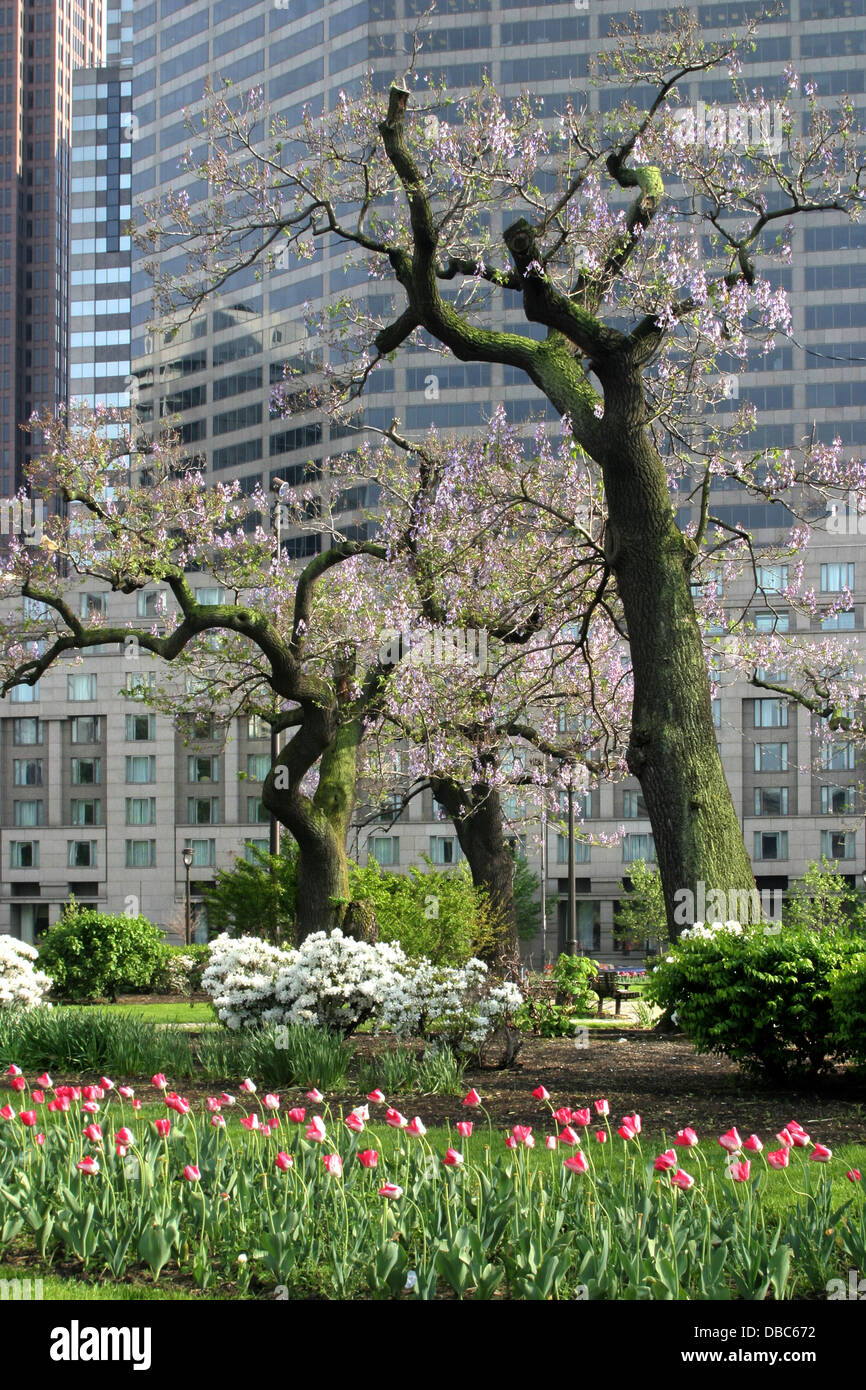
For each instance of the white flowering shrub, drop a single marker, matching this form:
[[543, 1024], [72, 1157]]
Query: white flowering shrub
[[21, 985], [333, 981], [705, 931]]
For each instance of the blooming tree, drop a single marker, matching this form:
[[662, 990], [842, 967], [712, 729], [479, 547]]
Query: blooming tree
[[21, 984], [641, 321]]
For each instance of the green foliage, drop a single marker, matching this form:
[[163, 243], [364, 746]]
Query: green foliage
[[761, 997], [399, 1070], [180, 969], [431, 912], [641, 913], [527, 908], [91, 955], [848, 1003], [822, 900], [257, 897], [553, 1008]]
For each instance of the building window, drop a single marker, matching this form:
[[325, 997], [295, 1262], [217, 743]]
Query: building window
[[717, 713], [772, 622], [87, 728], [257, 727], [771, 801], [837, 801], [633, 805], [771, 844], [210, 595], [201, 728], [837, 757], [838, 844], [771, 714], [203, 852], [150, 603], [140, 854], [256, 812], [385, 849], [85, 812], [839, 622], [250, 847], [27, 730], [638, 847], [27, 772], [582, 850], [92, 606], [258, 766], [140, 728], [203, 769], [203, 810], [24, 854], [141, 769], [24, 694], [138, 683], [773, 579], [444, 849], [81, 854], [28, 813], [80, 687], [771, 757], [141, 810], [835, 579]]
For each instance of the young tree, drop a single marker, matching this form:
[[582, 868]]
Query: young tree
[[637, 320]]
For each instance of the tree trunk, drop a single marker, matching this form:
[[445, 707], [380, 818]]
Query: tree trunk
[[477, 817]]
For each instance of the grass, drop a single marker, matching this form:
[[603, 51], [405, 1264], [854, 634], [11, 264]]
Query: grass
[[182, 1012], [58, 1288]]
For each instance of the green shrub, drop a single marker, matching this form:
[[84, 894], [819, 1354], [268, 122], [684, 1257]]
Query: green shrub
[[257, 897], [93, 955], [552, 1008], [437, 913], [848, 1004], [179, 970], [759, 996]]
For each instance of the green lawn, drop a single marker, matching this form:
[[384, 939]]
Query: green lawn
[[181, 1012], [56, 1288]]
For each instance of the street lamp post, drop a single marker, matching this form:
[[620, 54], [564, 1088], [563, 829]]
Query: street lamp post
[[187, 863], [572, 894]]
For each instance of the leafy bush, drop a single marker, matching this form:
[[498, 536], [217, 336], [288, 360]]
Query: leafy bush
[[553, 1007], [92, 954], [848, 1004], [256, 897], [336, 982], [822, 900], [758, 995], [21, 985], [641, 914], [180, 970], [437, 913]]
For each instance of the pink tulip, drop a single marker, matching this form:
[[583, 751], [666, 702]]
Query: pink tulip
[[284, 1161], [136, 1105], [226, 1099], [333, 1164], [28, 1117], [521, 1133], [315, 1095], [38, 1097], [731, 1141], [529, 1141], [820, 1154], [395, 1119], [569, 1136], [686, 1138], [191, 1173], [740, 1171], [854, 1175], [93, 1092], [52, 1106], [104, 1081], [218, 1121], [297, 1115], [124, 1136], [7, 1113], [634, 1121], [801, 1138], [121, 1150], [18, 1083], [12, 1070], [464, 1128], [390, 1189], [626, 1131], [550, 1141], [602, 1107], [472, 1097], [250, 1122], [162, 1127], [40, 1139], [376, 1096], [315, 1130], [213, 1104], [576, 1164], [778, 1159], [159, 1081], [541, 1093], [665, 1161], [563, 1115], [354, 1122], [786, 1137], [94, 1134], [87, 1165], [90, 1107], [510, 1141], [601, 1136], [581, 1117], [248, 1086], [126, 1091], [452, 1158], [416, 1127], [794, 1126], [683, 1180], [44, 1080], [368, 1158], [178, 1103], [753, 1144]]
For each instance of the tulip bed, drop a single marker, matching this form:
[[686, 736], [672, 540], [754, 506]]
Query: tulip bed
[[364, 1203]]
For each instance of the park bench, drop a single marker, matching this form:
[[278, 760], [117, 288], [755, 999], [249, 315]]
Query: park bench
[[607, 986]]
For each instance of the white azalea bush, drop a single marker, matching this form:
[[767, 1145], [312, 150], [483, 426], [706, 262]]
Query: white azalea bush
[[22, 986], [333, 981]]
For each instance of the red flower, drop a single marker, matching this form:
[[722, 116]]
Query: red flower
[[569, 1136], [753, 1144], [416, 1127], [686, 1138], [297, 1115], [94, 1134], [576, 1163], [191, 1173], [521, 1133], [354, 1122], [162, 1127], [395, 1119], [581, 1117], [563, 1115], [634, 1121], [778, 1159], [853, 1174], [820, 1155], [390, 1189], [28, 1117], [315, 1095], [284, 1161], [601, 1136], [44, 1080], [38, 1097], [18, 1083], [665, 1161], [626, 1131], [368, 1158], [541, 1093], [316, 1130], [159, 1081], [602, 1107], [731, 1141], [87, 1165], [472, 1098], [740, 1171], [464, 1128], [683, 1180], [333, 1164], [453, 1158], [376, 1096]]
